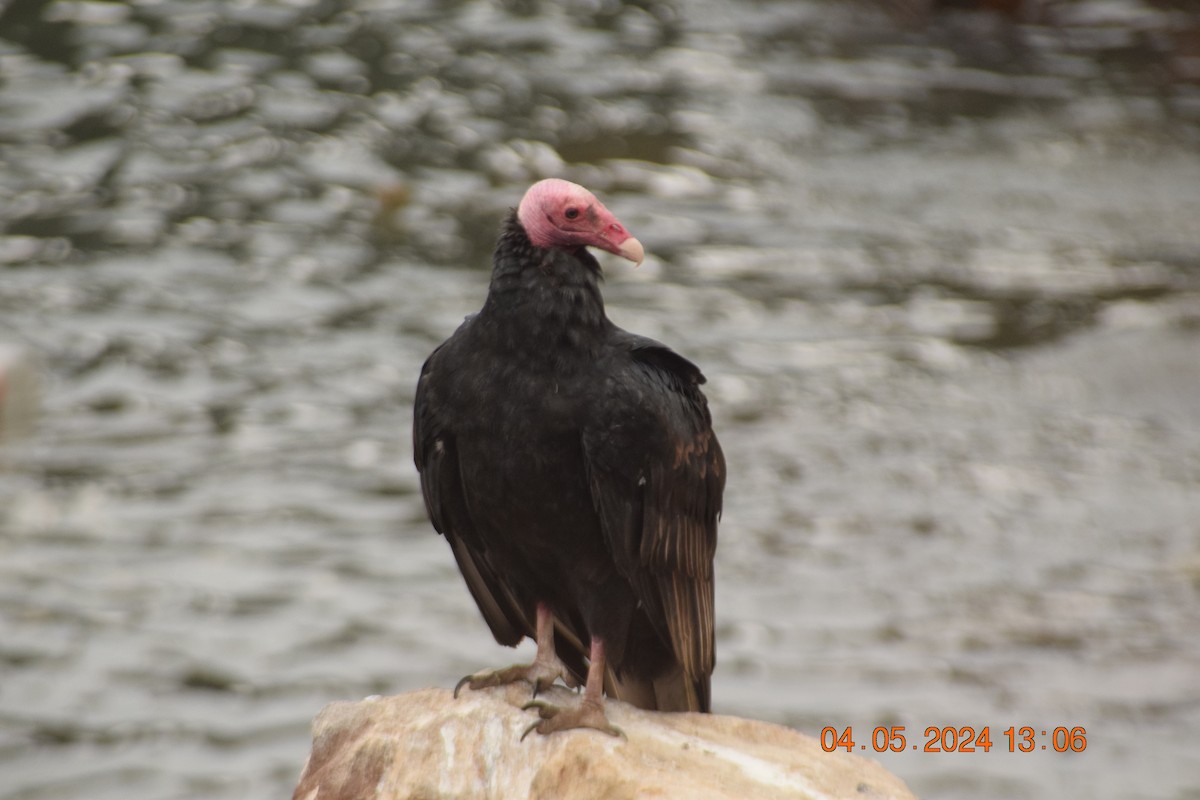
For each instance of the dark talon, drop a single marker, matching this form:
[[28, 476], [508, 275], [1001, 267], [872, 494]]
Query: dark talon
[[530, 730], [556, 718], [460, 684]]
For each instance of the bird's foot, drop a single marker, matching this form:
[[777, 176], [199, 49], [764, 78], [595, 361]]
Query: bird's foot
[[587, 714], [541, 674]]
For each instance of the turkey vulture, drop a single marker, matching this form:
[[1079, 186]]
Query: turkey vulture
[[573, 469]]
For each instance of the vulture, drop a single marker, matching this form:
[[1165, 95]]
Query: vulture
[[573, 469]]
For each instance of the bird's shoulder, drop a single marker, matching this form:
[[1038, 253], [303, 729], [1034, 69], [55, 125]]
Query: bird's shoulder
[[642, 356], [438, 383], [651, 398], [453, 346]]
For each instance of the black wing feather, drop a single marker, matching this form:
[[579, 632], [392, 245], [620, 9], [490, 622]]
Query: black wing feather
[[446, 502]]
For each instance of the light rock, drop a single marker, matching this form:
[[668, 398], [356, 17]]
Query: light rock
[[426, 745]]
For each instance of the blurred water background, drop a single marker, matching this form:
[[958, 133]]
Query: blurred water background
[[940, 261]]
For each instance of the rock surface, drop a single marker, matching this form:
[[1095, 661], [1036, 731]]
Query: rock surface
[[426, 745]]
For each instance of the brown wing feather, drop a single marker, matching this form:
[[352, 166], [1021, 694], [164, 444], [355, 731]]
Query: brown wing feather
[[679, 540], [657, 475]]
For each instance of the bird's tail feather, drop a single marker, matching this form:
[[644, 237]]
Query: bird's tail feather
[[671, 691]]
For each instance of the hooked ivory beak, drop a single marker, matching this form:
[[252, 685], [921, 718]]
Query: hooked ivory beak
[[632, 249]]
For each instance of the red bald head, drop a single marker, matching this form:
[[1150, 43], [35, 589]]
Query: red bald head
[[558, 213]]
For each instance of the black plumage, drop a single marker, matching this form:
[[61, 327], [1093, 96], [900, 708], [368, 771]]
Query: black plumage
[[573, 468]]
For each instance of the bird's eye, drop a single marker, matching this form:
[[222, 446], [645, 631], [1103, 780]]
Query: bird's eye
[[571, 213]]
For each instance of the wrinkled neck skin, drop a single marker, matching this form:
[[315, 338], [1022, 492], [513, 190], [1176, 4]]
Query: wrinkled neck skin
[[543, 297]]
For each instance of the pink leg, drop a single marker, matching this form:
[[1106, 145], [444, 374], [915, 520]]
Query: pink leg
[[545, 669], [589, 713]]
